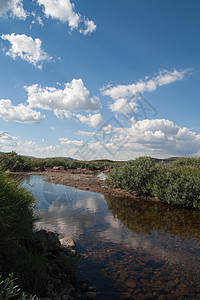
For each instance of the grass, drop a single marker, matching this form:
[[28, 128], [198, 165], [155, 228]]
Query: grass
[[17, 240]]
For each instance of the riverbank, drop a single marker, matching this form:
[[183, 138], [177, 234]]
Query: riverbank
[[61, 258], [90, 183]]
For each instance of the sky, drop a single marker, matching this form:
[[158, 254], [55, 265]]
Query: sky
[[96, 79]]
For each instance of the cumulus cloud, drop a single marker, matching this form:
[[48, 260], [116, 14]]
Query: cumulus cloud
[[89, 27], [63, 10], [164, 77], [157, 137], [91, 120], [19, 113], [9, 143], [75, 97], [14, 8], [60, 113], [8, 140], [26, 48], [66, 141]]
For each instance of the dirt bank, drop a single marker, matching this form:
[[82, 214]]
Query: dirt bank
[[90, 183]]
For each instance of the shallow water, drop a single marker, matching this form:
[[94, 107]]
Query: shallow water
[[136, 249]]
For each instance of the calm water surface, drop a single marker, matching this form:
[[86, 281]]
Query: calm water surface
[[136, 250]]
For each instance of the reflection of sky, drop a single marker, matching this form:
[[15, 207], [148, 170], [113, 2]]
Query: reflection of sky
[[76, 213]]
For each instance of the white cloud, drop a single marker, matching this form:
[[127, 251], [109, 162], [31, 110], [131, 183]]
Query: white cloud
[[87, 133], [91, 120], [59, 113], [66, 141], [89, 27], [75, 97], [20, 113], [157, 137], [26, 48], [8, 140], [10, 143], [63, 10], [14, 7], [150, 85]]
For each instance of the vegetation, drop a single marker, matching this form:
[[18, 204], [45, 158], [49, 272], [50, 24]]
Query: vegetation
[[21, 252], [175, 182], [9, 289], [16, 163], [13, 162], [18, 254]]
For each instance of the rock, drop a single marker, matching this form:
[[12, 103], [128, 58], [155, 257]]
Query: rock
[[92, 289], [48, 240], [72, 252], [91, 295], [69, 288], [79, 296], [66, 297], [84, 287], [50, 255], [58, 168], [82, 255], [68, 242], [55, 281], [50, 287], [64, 249]]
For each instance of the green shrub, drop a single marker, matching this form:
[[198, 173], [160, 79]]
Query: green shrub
[[13, 162], [171, 186], [174, 183], [9, 290], [134, 175]]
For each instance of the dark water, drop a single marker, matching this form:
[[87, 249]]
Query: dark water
[[136, 250]]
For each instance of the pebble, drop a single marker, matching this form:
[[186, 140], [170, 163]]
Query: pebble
[[91, 295], [69, 288], [79, 296], [84, 287], [92, 289], [66, 297]]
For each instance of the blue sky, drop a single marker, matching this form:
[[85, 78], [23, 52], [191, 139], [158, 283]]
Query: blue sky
[[100, 79]]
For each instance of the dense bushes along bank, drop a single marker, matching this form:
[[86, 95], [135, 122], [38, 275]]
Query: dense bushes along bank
[[17, 163], [18, 253], [176, 182], [21, 251]]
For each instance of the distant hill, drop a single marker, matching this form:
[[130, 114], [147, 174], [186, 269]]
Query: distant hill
[[47, 157], [167, 159], [65, 157]]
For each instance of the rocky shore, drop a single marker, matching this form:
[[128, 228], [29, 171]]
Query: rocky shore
[[91, 183], [60, 284]]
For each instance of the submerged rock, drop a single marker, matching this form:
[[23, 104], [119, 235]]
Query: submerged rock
[[91, 295], [69, 288]]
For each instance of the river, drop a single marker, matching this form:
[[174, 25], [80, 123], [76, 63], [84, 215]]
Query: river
[[135, 249]]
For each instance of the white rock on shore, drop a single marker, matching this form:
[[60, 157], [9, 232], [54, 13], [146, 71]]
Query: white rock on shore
[[68, 242]]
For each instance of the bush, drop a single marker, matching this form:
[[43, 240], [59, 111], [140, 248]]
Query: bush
[[13, 162], [173, 183], [171, 186], [133, 176], [9, 290]]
